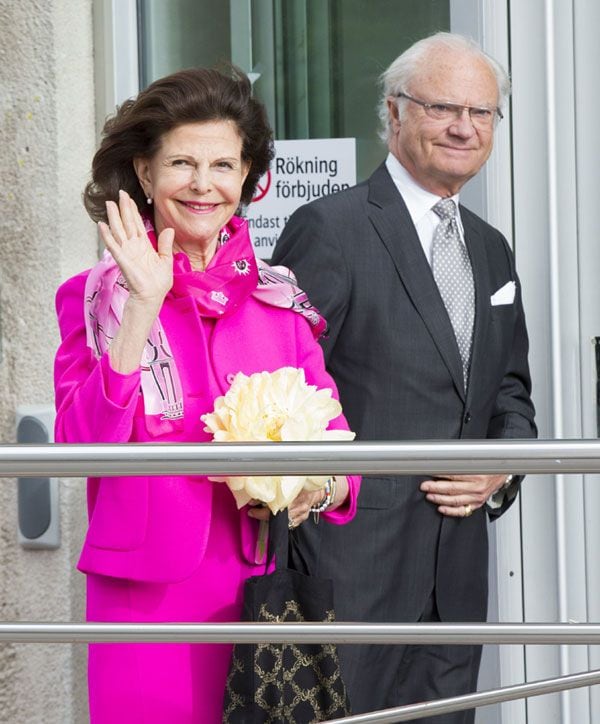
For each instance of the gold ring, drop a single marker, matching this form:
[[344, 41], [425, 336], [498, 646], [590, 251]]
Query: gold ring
[[468, 510]]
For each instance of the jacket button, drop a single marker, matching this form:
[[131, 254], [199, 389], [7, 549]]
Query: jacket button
[[467, 418], [230, 378]]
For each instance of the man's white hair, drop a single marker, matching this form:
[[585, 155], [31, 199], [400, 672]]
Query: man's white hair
[[397, 78]]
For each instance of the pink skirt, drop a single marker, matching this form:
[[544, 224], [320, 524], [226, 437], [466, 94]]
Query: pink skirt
[[169, 683]]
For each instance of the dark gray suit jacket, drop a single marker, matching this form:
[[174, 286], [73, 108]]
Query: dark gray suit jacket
[[392, 352]]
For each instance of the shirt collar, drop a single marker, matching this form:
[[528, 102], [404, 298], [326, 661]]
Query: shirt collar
[[418, 200]]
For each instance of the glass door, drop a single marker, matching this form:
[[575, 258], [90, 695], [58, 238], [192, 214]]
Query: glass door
[[314, 63]]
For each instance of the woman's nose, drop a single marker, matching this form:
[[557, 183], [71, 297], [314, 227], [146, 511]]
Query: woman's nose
[[201, 180]]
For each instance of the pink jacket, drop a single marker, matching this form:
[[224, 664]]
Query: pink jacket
[[156, 528]]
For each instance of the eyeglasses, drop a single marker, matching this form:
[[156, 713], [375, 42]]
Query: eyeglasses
[[483, 118]]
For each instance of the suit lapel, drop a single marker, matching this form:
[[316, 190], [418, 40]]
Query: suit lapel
[[393, 224]]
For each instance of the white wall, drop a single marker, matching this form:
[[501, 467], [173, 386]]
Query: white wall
[[555, 61], [47, 137]]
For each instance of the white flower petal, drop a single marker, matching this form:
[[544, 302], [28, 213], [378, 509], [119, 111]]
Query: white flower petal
[[291, 485], [338, 435], [262, 488], [241, 498], [273, 406]]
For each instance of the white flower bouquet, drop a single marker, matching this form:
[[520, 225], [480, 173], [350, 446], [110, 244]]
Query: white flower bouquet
[[273, 407]]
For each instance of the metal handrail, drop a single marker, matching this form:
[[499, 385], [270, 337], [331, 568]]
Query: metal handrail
[[470, 701], [310, 633], [373, 458], [343, 633]]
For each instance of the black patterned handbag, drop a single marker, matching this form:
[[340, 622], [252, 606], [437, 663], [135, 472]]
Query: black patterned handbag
[[285, 683]]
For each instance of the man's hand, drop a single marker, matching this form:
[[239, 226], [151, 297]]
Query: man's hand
[[459, 495]]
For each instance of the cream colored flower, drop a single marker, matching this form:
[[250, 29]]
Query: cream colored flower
[[273, 407]]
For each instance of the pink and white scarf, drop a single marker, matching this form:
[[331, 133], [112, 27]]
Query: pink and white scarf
[[233, 274]]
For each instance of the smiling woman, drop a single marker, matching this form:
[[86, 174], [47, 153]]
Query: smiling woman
[[195, 182], [151, 336]]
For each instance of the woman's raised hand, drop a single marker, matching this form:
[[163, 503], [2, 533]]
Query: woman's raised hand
[[149, 273]]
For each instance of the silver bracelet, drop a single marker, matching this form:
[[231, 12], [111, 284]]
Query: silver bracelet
[[329, 489], [507, 482]]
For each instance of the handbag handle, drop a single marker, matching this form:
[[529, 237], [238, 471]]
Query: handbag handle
[[284, 545], [279, 538]]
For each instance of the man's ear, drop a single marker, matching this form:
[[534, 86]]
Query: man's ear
[[392, 105], [141, 166]]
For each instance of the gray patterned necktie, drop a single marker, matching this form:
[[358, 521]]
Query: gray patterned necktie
[[453, 274]]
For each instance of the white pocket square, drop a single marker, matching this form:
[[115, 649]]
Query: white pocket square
[[504, 295]]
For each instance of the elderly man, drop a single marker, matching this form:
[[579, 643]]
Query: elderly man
[[426, 340]]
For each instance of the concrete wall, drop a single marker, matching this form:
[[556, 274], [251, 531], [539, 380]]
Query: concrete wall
[[47, 138]]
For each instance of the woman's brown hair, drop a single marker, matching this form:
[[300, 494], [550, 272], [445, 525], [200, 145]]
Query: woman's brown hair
[[188, 96]]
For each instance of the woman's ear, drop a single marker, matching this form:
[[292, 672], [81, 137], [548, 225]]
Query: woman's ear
[[246, 165], [141, 167]]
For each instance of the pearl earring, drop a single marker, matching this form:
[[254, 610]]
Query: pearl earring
[[149, 200]]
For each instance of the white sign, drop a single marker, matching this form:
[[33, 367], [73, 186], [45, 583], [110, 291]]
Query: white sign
[[300, 172]]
